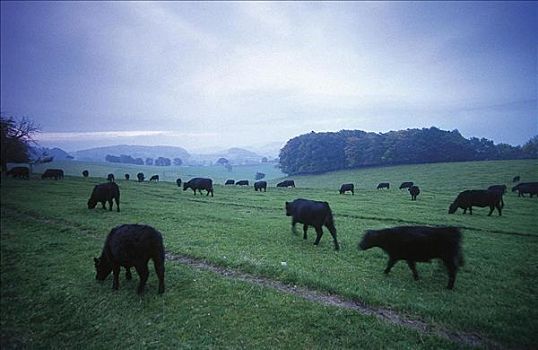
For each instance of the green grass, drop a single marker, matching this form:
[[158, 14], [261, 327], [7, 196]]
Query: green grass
[[495, 292]]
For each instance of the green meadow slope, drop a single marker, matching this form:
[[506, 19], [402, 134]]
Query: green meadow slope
[[49, 238]]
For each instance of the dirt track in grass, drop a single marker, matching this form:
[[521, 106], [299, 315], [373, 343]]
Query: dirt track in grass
[[387, 315]]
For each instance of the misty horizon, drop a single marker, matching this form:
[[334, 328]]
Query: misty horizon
[[211, 76]]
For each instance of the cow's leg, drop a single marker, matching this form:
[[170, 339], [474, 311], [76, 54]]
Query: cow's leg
[[194, 192], [305, 228], [293, 223], [464, 210], [103, 204], [110, 204], [319, 232], [128, 273], [491, 208], [499, 209], [452, 269], [143, 273], [390, 264], [159, 269], [118, 204], [116, 276], [333, 233], [470, 210], [413, 267]]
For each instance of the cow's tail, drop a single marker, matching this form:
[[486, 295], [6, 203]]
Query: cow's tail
[[329, 222]]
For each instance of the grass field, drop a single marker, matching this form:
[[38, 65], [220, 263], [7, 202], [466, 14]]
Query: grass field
[[50, 297]]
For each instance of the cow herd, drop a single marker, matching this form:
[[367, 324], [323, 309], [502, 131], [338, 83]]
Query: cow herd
[[134, 245]]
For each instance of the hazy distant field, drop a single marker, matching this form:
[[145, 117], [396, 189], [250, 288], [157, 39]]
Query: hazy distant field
[[219, 174], [50, 297]]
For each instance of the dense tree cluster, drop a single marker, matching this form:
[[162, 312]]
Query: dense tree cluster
[[161, 161], [15, 137], [124, 159], [314, 153]]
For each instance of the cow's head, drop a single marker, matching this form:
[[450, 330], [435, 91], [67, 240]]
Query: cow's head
[[289, 207], [368, 240], [92, 203], [185, 186], [452, 208], [102, 268]]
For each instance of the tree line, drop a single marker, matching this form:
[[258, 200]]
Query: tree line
[[126, 159], [315, 153]]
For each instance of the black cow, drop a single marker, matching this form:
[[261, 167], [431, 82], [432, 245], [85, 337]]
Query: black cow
[[516, 179], [479, 198], [347, 187], [414, 191], [286, 183], [313, 213], [154, 178], [85, 173], [140, 177], [19, 171], [418, 244], [498, 188], [259, 185], [199, 183], [178, 182], [131, 246], [105, 193], [229, 182], [110, 177], [56, 174], [406, 184], [526, 187], [242, 183], [383, 185]]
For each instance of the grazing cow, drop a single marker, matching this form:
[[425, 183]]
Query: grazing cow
[[131, 246], [127, 177], [418, 244], [498, 188], [313, 213], [19, 171], [383, 185], [110, 178], [259, 185], [414, 191], [242, 183], [56, 174], [516, 179], [85, 173], [526, 187], [105, 193], [347, 187], [199, 183], [178, 182], [229, 182], [479, 198], [140, 177], [286, 183], [154, 178], [406, 184]]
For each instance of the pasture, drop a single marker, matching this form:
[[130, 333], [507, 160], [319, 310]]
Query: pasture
[[50, 298]]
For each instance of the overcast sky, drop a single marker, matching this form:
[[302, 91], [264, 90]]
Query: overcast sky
[[222, 74]]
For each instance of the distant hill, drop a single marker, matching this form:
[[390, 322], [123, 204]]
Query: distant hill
[[99, 154], [236, 156], [40, 153]]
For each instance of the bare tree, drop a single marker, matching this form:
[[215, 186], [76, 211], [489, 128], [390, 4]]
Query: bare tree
[[16, 135]]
